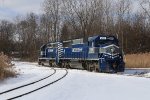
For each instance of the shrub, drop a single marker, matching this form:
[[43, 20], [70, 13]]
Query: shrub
[[141, 60], [6, 69]]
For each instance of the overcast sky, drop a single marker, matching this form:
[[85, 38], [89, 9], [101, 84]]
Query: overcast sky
[[9, 9]]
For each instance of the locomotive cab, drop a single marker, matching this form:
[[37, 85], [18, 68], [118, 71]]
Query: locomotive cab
[[110, 58]]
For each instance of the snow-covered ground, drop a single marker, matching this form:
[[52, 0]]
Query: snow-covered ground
[[78, 84], [139, 72]]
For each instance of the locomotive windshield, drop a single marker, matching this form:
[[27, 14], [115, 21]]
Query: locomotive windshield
[[111, 49], [106, 41], [101, 42]]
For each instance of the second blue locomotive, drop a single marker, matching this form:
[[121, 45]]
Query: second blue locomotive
[[98, 53]]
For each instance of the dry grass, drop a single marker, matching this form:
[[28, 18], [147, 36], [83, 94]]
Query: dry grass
[[141, 60], [6, 69]]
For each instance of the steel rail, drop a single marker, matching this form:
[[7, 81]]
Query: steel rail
[[28, 83], [41, 86]]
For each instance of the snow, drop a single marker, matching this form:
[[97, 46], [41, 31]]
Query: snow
[[28, 72], [140, 72], [77, 85]]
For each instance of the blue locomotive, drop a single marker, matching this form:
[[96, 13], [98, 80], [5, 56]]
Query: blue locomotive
[[99, 53]]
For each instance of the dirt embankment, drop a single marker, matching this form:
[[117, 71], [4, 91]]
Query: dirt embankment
[[6, 67]]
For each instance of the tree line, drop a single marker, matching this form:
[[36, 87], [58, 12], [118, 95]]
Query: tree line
[[69, 19]]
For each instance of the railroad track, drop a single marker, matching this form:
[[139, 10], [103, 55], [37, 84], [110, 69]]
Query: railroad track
[[136, 74], [27, 83], [8, 94]]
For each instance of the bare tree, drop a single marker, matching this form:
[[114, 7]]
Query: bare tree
[[123, 9], [52, 9], [45, 28], [145, 4], [82, 14], [27, 32], [6, 36]]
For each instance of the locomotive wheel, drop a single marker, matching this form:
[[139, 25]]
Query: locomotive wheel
[[63, 65], [42, 64], [88, 68], [60, 65], [96, 67], [84, 65], [39, 63], [54, 64], [68, 65], [50, 64], [91, 67], [98, 70]]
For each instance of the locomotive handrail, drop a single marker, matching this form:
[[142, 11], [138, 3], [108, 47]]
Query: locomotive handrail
[[89, 53]]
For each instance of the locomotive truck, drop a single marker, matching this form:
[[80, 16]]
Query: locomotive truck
[[99, 53]]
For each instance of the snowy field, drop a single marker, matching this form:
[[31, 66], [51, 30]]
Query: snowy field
[[133, 84]]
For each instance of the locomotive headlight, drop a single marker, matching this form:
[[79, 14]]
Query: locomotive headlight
[[120, 57], [112, 50]]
